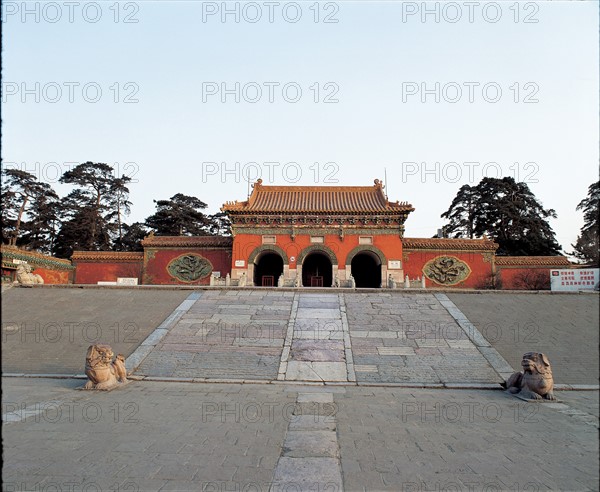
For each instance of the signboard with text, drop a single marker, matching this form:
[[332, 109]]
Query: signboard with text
[[574, 280]]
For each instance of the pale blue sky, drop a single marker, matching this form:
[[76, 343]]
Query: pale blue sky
[[366, 56]]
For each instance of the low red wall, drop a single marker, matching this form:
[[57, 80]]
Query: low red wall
[[107, 271], [526, 278], [53, 276], [157, 260], [52, 270], [479, 263]]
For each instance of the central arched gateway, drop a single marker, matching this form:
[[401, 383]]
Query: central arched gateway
[[317, 270], [267, 269], [366, 269]]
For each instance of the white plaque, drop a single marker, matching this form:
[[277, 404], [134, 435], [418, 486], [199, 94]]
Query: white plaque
[[216, 274], [240, 263], [394, 265], [127, 281], [574, 279], [106, 283]]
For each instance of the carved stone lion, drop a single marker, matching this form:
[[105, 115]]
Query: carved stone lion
[[103, 373], [26, 277], [535, 382]]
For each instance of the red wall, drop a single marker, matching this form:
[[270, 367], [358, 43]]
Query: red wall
[[480, 269], [53, 276], [245, 244], [525, 278], [156, 261], [105, 271]]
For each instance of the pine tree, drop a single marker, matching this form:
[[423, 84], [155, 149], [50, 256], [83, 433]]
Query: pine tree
[[94, 209], [28, 210], [507, 212], [587, 245], [181, 215]]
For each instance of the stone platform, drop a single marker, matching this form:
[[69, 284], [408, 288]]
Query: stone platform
[[296, 390], [383, 337]]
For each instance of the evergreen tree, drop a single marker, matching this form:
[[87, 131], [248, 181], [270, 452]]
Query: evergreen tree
[[587, 245], [94, 209], [28, 206], [39, 233], [132, 237], [462, 213], [505, 211], [219, 224], [181, 215]]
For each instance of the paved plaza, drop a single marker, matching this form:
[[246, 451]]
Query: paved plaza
[[298, 390], [325, 337]]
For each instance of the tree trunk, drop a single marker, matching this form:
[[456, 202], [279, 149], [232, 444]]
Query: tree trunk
[[13, 241]]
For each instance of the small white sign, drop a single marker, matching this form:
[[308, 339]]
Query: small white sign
[[574, 279], [394, 265], [216, 274], [240, 263], [107, 283], [127, 281]]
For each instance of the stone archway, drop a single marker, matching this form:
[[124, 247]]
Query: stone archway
[[317, 270], [332, 269], [318, 248], [368, 266], [366, 270], [268, 267], [263, 262]]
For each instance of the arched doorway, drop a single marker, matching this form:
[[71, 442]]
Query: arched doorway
[[366, 270], [267, 269], [317, 270]]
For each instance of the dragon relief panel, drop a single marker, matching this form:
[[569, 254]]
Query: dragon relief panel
[[446, 270], [189, 267]]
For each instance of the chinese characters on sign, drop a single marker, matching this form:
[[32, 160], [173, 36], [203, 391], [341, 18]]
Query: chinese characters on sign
[[574, 280]]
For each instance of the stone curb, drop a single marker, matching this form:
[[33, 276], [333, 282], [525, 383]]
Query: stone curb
[[152, 340], [491, 355], [166, 379], [312, 289]]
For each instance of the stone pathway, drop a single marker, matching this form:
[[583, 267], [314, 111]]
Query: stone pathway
[[235, 335], [319, 343], [362, 338], [412, 338], [310, 455]]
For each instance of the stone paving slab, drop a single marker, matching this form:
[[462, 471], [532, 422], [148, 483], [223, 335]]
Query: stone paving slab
[[186, 436], [564, 327], [422, 342], [47, 330], [214, 340]]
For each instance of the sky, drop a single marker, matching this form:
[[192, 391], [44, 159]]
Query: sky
[[197, 97]]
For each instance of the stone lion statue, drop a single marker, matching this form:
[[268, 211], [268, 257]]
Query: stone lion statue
[[103, 373], [535, 382], [26, 277]]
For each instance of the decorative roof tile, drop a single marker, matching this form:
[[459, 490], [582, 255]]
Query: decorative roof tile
[[557, 261], [107, 256], [34, 258], [186, 241], [317, 199], [450, 244]]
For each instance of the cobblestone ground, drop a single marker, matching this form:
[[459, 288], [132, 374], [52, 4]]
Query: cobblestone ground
[[564, 327], [199, 436], [48, 330], [225, 334]]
